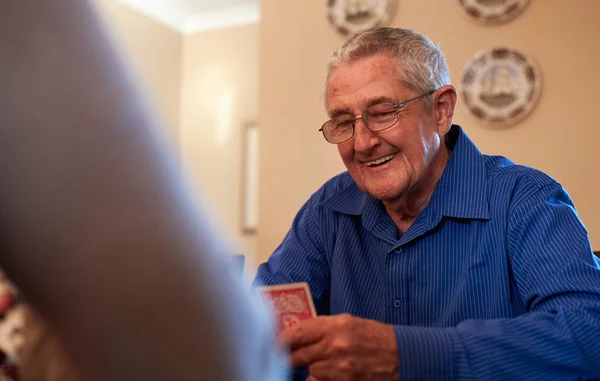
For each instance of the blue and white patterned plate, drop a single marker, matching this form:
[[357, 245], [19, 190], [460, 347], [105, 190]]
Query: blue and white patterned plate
[[500, 86]]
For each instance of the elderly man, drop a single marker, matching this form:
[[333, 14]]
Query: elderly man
[[427, 259]]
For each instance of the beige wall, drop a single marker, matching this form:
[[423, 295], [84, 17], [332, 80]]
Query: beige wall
[[219, 94], [154, 52], [559, 137], [205, 86]]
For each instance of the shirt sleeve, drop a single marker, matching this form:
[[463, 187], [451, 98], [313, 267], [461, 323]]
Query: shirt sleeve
[[558, 279], [301, 258]]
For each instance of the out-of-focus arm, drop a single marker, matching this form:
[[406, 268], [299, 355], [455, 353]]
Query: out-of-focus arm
[[97, 227]]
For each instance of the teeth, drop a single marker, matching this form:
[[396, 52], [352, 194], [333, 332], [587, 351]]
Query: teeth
[[380, 160]]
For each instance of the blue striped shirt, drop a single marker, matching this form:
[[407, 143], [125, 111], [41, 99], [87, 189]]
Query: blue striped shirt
[[494, 280]]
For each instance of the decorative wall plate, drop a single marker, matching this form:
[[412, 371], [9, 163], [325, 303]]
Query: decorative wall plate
[[349, 16], [493, 12], [500, 86]]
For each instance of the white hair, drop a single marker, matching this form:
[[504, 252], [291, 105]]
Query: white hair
[[422, 66]]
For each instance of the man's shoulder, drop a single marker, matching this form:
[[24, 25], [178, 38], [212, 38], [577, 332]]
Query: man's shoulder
[[502, 172]]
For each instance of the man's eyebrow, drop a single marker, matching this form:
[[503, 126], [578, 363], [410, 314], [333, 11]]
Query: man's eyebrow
[[338, 112], [370, 102], [380, 99]]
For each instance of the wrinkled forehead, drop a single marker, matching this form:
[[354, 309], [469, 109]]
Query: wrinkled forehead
[[365, 76]]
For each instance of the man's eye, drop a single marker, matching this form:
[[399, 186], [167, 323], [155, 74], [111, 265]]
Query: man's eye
[[382, 113], [343, 123]]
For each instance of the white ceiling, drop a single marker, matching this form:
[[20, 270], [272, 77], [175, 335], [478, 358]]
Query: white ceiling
[[190, 16]]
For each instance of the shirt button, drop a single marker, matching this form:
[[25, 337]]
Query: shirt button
[[397, 303]]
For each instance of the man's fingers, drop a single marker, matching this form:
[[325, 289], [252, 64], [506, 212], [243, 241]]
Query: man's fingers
[[308, 354], [328, 370], [304, 333]]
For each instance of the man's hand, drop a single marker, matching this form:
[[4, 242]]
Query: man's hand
[[343, 348]]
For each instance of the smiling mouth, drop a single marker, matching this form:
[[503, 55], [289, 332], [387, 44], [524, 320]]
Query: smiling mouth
[[380, 161]]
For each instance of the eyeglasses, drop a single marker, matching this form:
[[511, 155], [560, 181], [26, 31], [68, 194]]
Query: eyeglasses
[[377, 117]]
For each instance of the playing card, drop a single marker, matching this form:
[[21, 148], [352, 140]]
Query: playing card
[[291, 303]]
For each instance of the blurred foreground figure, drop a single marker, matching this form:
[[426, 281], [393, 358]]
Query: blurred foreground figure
[[97, 228]]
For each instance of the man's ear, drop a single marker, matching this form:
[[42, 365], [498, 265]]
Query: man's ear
[[444, 103]]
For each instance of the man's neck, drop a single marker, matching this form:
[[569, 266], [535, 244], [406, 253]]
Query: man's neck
[[405, 210]]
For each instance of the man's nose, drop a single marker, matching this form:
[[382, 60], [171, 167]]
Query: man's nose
[[364, 138]]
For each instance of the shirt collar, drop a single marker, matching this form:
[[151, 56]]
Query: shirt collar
[[460, 193], [349, 200], [462, 189]]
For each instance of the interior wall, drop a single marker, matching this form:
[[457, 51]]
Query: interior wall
[[219, 96], [558, 138], [205, 86], [154, 52]]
